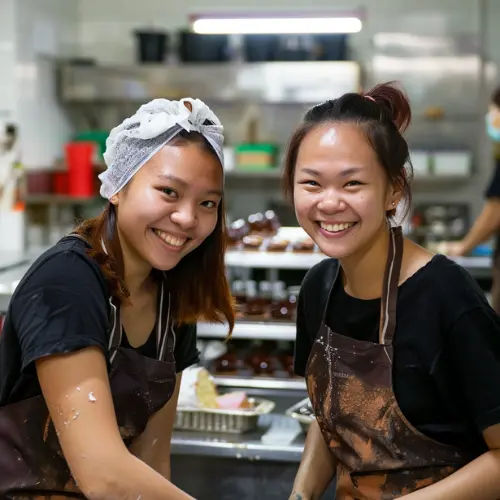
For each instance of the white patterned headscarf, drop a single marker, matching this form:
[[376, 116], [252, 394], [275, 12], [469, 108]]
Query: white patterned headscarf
[[132, 143]]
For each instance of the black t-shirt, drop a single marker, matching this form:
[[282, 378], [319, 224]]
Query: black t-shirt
[[446, 368], [493, 191], [62, 305]]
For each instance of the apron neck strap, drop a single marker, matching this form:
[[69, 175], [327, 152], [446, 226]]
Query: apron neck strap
[[164, 339], [390, 286], [331, 285], [115, 337]]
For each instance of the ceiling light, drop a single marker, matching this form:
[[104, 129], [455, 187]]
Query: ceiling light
[[275, 24]]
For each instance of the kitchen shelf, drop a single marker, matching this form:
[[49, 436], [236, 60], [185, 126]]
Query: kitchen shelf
[[477, 266], [441, 179], [55, 199], [272, 173], [260, 383], [273, 260], [267, 82], [245, 447], [265, 330], [277, 437]]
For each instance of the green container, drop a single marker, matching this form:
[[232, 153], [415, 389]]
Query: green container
[[97, 136], [264, 153]]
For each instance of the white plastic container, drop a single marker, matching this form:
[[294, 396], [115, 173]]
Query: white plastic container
[[420, 161], [452, 163], [12, 231]]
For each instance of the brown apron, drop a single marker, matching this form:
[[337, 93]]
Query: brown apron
[[31, 461], [380, 454]]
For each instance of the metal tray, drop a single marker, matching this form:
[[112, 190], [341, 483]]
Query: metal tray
[[216, 420], [304, 419]]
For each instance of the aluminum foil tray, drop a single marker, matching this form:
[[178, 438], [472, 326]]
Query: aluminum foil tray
[[303, 413], [215, 420]]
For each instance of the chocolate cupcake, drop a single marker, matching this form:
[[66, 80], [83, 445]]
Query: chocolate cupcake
[[252, 241], [303, 245], [277, 245]]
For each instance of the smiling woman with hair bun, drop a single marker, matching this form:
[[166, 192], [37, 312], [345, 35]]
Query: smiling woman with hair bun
[[399, 347]]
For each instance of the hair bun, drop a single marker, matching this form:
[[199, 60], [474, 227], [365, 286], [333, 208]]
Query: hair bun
[[395, 101]]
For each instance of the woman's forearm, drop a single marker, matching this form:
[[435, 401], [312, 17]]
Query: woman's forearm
[[487, 223], [126, 478], [316, 469], [479, 479]]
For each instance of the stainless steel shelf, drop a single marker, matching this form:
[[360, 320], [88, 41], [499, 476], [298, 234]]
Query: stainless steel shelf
[[286, 444], [273, 260], [265, 330], [477, 266], [269, 82], [272, 173], [55, 199], [261, 383]]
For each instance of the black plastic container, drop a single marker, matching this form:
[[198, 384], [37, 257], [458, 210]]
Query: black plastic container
[[194, 47], [301, 47], [260, 48], [331, 47], [152, 46]]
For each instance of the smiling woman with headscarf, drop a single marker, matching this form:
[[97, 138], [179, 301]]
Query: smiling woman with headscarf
[[102, 325]]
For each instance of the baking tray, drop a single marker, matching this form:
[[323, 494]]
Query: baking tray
[[216, 420], [303, 413]]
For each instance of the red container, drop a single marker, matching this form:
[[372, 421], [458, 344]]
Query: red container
[[79, 157], [39, 182], [60, 183]]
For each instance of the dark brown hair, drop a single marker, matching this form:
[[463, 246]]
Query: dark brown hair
[[198, 284], [383, 113]]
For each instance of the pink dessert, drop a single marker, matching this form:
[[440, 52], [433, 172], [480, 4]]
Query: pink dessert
[[232, 401]]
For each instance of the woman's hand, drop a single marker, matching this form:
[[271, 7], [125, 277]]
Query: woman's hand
[[453, 248], [316, 469]]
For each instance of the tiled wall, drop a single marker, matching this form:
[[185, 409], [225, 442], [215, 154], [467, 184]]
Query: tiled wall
[[106, 28], [106, 33], [33, 31], [44, 30], [7, 59]]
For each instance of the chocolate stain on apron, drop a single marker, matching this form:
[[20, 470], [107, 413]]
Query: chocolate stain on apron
[[380, 455], [32, 464]]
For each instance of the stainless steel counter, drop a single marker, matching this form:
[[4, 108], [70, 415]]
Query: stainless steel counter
[[277, 438]]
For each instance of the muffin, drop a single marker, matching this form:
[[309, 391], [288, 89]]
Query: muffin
[[252, 241], [277, 245], [303, 245]]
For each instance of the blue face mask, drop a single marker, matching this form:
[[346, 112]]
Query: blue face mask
[[492, 131]]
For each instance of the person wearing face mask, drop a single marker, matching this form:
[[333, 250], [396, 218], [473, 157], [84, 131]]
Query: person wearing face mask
[[100, 328], [488, 222], [399, 347]]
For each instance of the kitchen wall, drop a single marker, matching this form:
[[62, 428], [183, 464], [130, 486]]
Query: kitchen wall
[[106, 33], [106, 27], [33, 32], [40, 32], [7, 59]]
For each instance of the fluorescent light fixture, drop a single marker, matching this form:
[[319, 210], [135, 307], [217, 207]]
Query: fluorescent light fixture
[[264, 25]]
